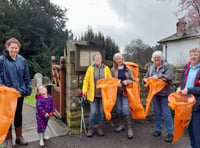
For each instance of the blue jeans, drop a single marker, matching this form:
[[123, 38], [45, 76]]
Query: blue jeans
[[194, 130], [96, 107], [161, 108], [122, 105]]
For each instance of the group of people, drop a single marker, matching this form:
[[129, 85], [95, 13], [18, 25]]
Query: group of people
[[160, 69], [14, 73]]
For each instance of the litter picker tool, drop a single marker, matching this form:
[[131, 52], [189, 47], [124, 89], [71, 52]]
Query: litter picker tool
[[81, 102]]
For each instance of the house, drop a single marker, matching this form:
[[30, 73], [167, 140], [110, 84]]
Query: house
[[176, 47]]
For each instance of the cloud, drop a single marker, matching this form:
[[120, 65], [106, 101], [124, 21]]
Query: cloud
[[123, 20]]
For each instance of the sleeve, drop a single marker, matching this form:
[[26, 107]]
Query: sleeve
[[194, 90], [1, 69], [86, 81], [40, 106], [130, 73], [27, 80], [108, 72], [168, 74], [52, 105], [147, 73]]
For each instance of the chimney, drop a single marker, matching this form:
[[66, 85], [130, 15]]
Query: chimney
[[180, 28]]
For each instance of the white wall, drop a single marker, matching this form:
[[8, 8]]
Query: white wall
[[178, 51]]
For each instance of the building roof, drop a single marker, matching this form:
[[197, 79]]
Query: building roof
[[190, 34]]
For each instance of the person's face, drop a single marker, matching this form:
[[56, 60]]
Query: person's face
[[119, 60], [194, 57], [42, 90], [13, 50], [157, 61], [97, 60]]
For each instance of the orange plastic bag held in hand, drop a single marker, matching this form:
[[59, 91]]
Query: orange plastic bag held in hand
[[182, 105], [8, 104], [135, 105], [155, 86], [134, 69], [109, 94]]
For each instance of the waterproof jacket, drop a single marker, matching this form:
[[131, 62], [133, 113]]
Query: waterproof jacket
[[165, 72], [15, 73], [88, 82], [193, 90]]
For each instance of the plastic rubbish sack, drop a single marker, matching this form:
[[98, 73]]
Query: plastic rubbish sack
[[182, 105], [109, 94], [8, 104], [155, 86], [135, 105], [134, 69]]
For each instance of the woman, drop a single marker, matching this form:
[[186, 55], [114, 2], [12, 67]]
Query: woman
[[160, 69], [122, 72], [93, 74], [191, 85], [14, 73]]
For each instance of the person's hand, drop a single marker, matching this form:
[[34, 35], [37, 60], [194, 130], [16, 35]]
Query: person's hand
[[178, 90], [46, 115], [145, 80], [119, 85], [185, 91], [155, 77], [125, 82]]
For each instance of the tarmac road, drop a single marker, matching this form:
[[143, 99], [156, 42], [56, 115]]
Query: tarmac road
[[59, 139], [142, 139]]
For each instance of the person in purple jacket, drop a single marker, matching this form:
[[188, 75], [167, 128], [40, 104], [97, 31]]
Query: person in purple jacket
[[44, 108]]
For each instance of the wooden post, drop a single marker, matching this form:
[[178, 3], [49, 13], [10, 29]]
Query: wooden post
[[62, 85]]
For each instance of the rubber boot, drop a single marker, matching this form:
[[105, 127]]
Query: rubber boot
[[90, 131], [19, 138], [9, 139], [41, 139], [120, 124], [100, 130], [45, 137], [129, 124]]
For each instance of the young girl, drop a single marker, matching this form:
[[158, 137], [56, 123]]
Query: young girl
[[44, 107]]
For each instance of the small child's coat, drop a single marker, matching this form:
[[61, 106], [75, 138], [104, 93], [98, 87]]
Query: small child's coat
[[43, 105]]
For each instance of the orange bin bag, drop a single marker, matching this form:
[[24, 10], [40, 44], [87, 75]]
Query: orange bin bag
[[8, 104], [135, 105], [155, 86], [134, 69], [182, 105], [109, 94]]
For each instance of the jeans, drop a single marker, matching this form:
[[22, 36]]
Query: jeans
[[161, 108], [194, 130], [122, 105], [96, 107]]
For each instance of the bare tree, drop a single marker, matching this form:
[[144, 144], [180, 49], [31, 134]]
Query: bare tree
[[189, 11], [138, 52]]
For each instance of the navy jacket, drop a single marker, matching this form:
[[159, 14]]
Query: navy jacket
[[15, 73], [193, 90]]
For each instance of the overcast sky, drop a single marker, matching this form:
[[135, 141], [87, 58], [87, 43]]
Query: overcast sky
[[122, 20]]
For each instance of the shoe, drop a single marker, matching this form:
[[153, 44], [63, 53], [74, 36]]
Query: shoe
[[21, 141], [169, 138], [41, 140], [90, 132], [157, 133], [100, 130], [120, 128]]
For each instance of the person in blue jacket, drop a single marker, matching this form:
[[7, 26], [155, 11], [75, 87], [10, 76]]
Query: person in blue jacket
[[191, 85], [14, 73]]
